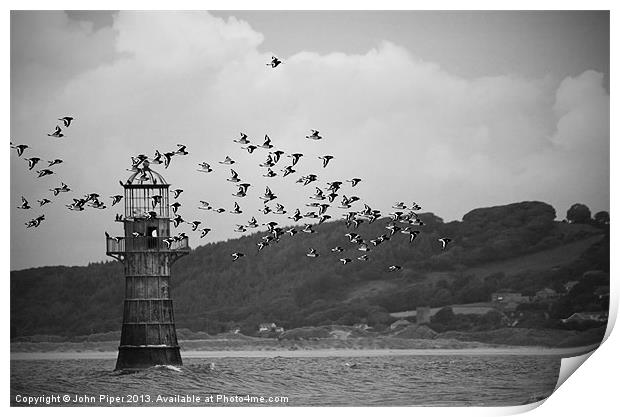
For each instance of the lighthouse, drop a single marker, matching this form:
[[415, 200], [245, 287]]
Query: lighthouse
[[148, 335]]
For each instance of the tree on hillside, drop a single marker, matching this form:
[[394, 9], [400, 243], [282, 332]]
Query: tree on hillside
[[578, 213], [444, 316], [602, 217]]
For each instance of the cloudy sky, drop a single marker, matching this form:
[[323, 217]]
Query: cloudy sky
[[453, 110]]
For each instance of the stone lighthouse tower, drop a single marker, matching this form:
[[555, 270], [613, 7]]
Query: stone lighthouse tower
[[147, 252]]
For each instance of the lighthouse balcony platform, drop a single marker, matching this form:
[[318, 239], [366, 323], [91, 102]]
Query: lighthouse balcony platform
[[121, 245]]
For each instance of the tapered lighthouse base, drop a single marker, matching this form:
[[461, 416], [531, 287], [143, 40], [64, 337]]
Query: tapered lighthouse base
[[140, 357]]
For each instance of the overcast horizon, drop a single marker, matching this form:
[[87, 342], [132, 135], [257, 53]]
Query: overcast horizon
[[452, 110]]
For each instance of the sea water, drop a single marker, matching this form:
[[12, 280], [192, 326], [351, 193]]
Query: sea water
[[382, 380]]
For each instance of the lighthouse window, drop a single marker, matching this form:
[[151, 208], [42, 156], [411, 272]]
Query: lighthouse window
[[152, 237]]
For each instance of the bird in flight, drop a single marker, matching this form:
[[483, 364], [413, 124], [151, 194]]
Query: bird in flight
[[345, 260], [77, 205], [116, 198], [168, 158], [268, 162], [204, 167], [318, 194], [57, 133], [24, 205], [315, 135], [234, 177], [181, 150], [393, 268], [204, 232], [331, 197], [158, 156], [242, 191], [177, 193], [413, 234], [204, 205], [326, 159], [268, 196], [97, 204], [62, 189], [253, 223], [324, 217], [175, 206], [354, 181], [353, 237], [237, 209], [334, 186], [267, 143], [35, 222], [44, 172], [168, 241], [296, 216], [227, 161], [287, 170], [276, 156], [177, 220], [243, 139], [249, 148], [307, 179], [312, 253], [32, 162], [444, 242], [363, 247], [295, 157], [237, 255], [274, 62], [43, 202], [20, 149], [54, 162], [269, 173], [66, 120]]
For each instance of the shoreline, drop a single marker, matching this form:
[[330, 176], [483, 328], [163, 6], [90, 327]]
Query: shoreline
[[322, 353]]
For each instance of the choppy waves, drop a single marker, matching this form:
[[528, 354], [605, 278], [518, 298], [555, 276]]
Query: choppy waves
[[322, 381]]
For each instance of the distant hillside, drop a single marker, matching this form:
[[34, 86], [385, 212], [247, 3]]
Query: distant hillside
[[281, 284]]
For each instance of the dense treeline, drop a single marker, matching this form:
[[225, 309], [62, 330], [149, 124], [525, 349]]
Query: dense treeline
[[282, 285]]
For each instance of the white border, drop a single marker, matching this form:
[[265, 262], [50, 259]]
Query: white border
[[589, 392]]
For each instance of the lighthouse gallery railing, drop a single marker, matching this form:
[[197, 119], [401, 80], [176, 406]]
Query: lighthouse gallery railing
[[145, 243]]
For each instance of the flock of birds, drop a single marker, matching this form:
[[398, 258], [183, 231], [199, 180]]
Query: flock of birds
[[34, 161], [90, 199], [403, 220]]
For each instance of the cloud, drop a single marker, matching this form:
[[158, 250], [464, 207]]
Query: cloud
[[582, 110], [411, 129]]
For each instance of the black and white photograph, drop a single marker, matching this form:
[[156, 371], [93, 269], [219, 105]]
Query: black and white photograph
[[306, 208]]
